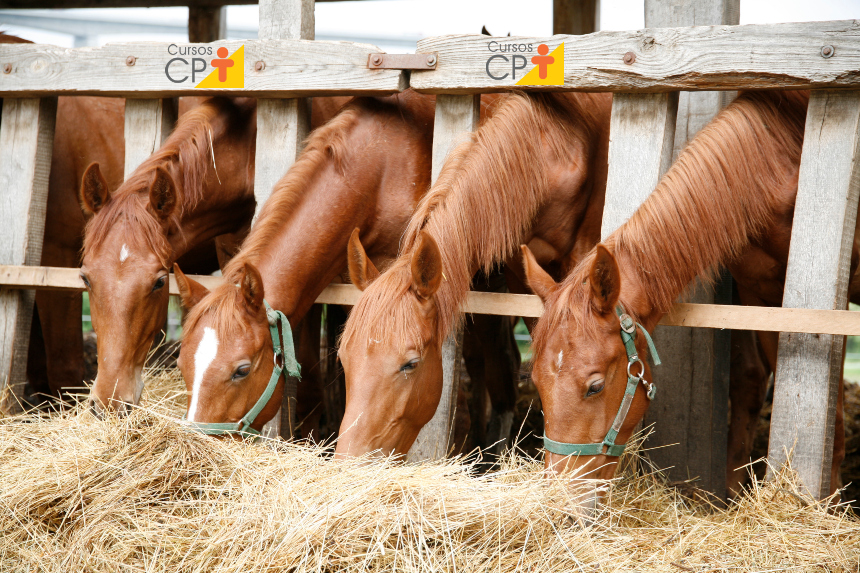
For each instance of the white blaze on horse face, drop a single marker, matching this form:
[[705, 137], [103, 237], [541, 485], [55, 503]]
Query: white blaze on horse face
[[559, 360], [123, 253], [206, 352]]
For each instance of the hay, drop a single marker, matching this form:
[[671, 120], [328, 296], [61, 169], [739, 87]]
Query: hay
[[142, 494]]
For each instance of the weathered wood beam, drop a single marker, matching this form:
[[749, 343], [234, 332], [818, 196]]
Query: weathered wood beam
[[456, 118], [759, 56], [26, 142], [809, 366], [289, 68], [206, 24], [148, 123], [768, 319], [33, 4], [575, 16]]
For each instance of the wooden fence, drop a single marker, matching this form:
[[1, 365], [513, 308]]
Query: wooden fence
[[644, 68]]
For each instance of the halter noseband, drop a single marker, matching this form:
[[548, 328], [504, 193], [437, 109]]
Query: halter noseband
[[628, 336], [286, 352]]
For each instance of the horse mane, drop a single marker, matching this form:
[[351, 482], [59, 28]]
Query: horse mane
[[483, 203], [328, 142], [716, 199], [188, 151], [10, 39]]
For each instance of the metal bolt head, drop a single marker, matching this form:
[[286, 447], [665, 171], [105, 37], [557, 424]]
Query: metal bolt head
[[259, 66], [377, 60], [431, 61], [827, 51], [629, 58], [129, 61], [7, 68]]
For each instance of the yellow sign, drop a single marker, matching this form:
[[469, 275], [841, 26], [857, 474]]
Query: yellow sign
[[548, 70], [229, 72]]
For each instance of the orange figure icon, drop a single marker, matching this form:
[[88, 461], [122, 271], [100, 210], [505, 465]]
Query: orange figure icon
[[542, 61], [222, 63]]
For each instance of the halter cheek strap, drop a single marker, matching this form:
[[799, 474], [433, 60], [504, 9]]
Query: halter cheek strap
[[628, 337], [285, 359]]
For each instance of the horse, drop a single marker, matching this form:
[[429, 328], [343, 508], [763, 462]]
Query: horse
[[728, 199], [363, 172], [197, 186], [535, 172]]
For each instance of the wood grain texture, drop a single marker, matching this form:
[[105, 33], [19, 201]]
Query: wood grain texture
[[457, 117], [148, 123], [575, 16], [642, 131], [759, 56], [293, 68], [26, 142], [206, 24], [809, 366]]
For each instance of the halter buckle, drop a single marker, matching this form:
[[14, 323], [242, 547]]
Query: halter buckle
[[272, 317], [641, 366], [627, 323]]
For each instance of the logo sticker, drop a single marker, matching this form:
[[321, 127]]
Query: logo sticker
[[219, 72], [228, 73], [509, 61], [548, 70]]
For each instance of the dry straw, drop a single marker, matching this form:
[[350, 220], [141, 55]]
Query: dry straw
[[142, 494]]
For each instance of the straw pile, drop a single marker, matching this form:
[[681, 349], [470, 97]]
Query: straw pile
[[142, 494]]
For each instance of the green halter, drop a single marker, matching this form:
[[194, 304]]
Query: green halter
[[287, 355], [628, 336]]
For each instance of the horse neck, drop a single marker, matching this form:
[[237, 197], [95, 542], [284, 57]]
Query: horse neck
[[721, 194], [300, 242], [225, 190], [486, 199]]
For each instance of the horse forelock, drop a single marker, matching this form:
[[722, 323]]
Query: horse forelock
[[129, 216], [223, 308]]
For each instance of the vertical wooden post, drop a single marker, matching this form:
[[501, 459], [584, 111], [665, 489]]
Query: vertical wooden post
[[575, 16], [692, 408], [26, 142], [809, 365], [206, 24], [282, 125], [456, 117], [148, 123]]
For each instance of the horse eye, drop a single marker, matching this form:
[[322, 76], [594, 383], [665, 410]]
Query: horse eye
[[159, 283], [86, 280], [242, 371], [410, 366], [595, 388]]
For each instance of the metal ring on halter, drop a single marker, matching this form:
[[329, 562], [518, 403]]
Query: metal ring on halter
[[641, 365]]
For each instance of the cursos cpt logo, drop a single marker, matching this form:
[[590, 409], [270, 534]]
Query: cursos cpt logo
[[225, 70], [509, 61]]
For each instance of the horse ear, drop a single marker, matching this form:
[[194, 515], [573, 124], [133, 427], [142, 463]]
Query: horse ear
[[426, 267], [190, 291], [251, 285], [538, 279], [362, 271], [162, 194], [605, 279], [94, 190]]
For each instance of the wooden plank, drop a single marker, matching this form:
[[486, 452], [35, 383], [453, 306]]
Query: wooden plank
[[456, 118], [758, 56], [66, 4], [809, 366], [148, 123], [26, 142], [293, 68], [575, 16], [206, 24], [642, 129], [690, 416], [282, 126]]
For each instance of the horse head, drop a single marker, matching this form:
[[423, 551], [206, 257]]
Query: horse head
[[227, 354], [582, 368], [391, 351], [125, 268]]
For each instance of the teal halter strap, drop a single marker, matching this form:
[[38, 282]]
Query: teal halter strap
[[628, 337], [285, 359]]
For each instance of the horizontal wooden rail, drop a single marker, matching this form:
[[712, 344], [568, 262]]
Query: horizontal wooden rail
[[682, 314], [770, 56], [282, 68]]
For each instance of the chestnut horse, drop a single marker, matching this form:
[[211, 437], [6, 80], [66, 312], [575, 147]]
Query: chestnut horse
[[535, 172], [366, 169], [728, 199], [197, 186]]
